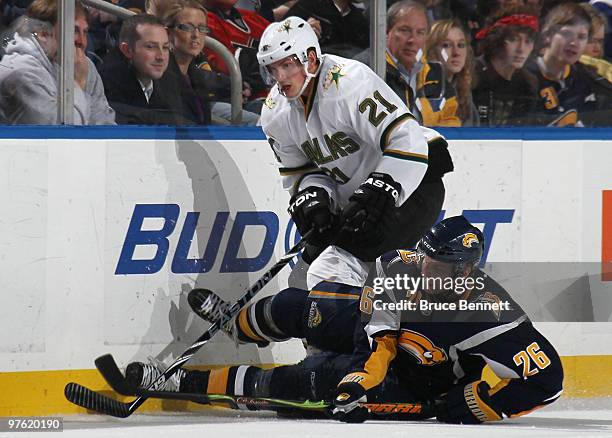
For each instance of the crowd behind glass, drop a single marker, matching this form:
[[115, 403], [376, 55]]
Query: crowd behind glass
[[454, 63]]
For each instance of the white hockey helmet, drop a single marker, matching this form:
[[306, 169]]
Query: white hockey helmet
[[292, 36]]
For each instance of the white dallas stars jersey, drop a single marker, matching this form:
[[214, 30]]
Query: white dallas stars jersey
[[352, 124]]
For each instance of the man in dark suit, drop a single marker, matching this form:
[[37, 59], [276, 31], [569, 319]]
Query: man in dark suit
[[132, 72]]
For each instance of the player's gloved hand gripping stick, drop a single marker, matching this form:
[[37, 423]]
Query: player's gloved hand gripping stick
[[311, 209], [348, 404], [367, 207]]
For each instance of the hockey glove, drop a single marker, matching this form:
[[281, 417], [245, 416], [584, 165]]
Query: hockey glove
[[346, 403], [365, 213], [468, 405], [311, 208]]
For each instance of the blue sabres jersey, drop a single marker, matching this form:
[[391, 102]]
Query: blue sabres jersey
[[434, 345]]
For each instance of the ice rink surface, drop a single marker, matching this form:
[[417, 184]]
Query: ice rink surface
[[220, 423]]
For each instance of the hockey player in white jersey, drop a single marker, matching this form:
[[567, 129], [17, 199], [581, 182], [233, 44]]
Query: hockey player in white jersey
[[361, 171]]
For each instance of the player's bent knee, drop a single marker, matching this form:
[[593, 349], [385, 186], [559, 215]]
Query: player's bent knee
[[286, 312]]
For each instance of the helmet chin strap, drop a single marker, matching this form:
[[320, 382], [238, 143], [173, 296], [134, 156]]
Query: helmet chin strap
[[309, 76]]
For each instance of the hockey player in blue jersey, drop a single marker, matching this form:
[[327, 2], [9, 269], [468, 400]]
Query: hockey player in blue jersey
[[407, 340], [460, 320]]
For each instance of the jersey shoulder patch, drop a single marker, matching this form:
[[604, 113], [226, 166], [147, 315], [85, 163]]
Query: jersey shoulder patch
[[270, 102], [341, 74], [404, 256], [274, 109], [400, 262], [334, 76]]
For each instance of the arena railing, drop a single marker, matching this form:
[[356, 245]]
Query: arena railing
[[378, 33]]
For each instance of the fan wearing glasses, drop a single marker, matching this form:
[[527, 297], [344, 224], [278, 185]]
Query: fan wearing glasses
[[187, 28], [200, 90]]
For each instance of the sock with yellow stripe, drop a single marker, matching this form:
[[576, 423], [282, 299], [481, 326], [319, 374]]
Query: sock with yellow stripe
[[255, 324], [234, 380], [314, 378]]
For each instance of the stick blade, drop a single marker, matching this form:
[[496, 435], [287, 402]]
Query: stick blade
[[112, 374], [88, 399]]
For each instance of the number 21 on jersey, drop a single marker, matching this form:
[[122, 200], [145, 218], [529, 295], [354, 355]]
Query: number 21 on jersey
[[371, 105]]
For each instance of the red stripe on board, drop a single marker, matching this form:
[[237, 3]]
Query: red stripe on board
[[606, 236]]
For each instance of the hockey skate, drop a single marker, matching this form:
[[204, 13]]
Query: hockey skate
[[142, 375], [210, 307]]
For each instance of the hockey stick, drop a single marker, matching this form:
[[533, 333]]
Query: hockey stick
[[127, 409], [112, 374], [86, 398]]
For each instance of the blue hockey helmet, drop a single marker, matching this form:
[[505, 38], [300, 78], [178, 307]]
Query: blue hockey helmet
[[454, 240]]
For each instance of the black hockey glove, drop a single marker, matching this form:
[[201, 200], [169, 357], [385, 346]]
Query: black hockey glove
[[346, 403], [364, 215], [469, 404], [311, 208]]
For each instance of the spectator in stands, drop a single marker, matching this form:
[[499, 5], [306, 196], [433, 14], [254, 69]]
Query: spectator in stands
[[605, 7], [422, 85], [449, 44], [28, 75], [341, 26], [187, 25], [595, 46], [594, 53], [573, 94], [131, 74], [239, 30], [506, 93]]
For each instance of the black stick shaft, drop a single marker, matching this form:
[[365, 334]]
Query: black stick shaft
[[89, 399]]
